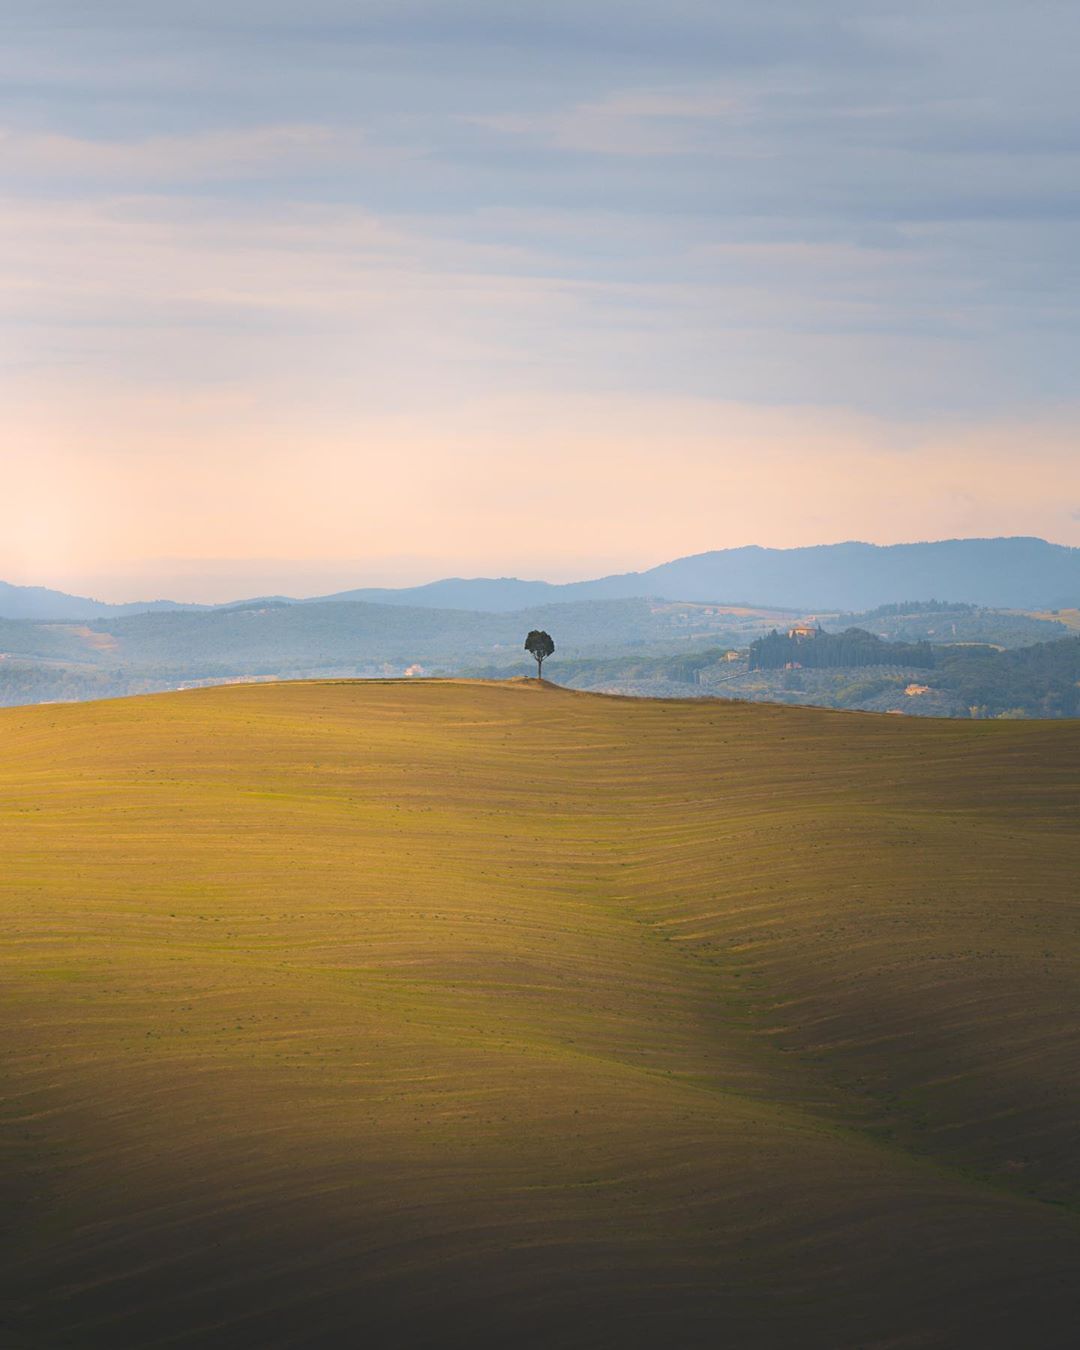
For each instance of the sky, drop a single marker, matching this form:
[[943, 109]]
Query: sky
[[300, 296]]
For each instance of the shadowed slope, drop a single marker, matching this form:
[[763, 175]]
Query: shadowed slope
[[447, 1011]]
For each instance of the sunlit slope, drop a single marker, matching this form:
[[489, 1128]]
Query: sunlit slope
[[449, 1012]]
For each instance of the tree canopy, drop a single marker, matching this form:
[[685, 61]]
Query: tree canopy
[[539, 645]]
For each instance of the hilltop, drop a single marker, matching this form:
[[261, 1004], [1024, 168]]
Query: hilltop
[[442, 1013], [143, 652]]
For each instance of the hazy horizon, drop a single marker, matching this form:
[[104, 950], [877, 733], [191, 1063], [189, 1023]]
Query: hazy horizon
[[221, 581]]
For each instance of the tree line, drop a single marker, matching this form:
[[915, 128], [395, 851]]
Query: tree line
[[827, 651]]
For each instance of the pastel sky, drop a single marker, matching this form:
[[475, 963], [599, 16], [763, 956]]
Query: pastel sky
[[298, 296]]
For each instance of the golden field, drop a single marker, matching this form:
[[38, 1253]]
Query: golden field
[[440, 1013]]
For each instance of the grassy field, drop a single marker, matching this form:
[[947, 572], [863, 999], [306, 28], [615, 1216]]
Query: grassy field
[[445, 1013], [1069, 617]]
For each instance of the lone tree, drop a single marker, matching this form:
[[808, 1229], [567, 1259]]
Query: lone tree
[[539, 645]]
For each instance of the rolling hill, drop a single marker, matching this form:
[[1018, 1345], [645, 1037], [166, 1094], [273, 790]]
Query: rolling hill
[[448, 1013], [42, 604]]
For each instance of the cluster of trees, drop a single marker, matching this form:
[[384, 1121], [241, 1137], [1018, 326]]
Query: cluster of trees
[[828, 651], [51, 682], [1042, 680], [941, 621], [1038, 681], [917, 607]]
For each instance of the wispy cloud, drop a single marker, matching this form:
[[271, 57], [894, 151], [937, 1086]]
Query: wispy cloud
[[634, 123], [209, 155], [171, 289]]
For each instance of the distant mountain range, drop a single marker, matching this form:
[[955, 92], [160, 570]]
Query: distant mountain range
[[1012, 573], [43, 605]]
